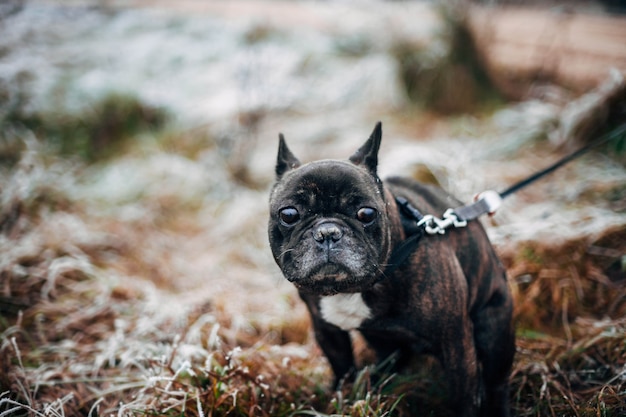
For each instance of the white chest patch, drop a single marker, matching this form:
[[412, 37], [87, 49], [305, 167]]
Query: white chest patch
[[346, 311]]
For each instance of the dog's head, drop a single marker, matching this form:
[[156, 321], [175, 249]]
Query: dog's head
[[329, 228]]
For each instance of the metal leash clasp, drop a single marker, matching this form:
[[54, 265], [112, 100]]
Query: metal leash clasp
[[434, 225]]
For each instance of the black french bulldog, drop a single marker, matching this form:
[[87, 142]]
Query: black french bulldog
[[332, 229]]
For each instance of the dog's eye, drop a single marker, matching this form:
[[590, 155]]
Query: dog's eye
[[366, 215], [289, 216]]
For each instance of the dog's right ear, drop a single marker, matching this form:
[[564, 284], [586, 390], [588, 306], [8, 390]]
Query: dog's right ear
[[367, 155], [285, 160]]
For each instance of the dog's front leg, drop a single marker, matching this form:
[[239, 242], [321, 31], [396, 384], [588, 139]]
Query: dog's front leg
[[334, 342]]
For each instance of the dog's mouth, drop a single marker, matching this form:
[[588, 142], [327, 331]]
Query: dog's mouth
[[330, 272], [330, 279]]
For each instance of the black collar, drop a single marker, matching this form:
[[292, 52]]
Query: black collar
[[410, 217]]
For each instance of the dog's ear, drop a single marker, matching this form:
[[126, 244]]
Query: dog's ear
[[285, 160], [367, 155]]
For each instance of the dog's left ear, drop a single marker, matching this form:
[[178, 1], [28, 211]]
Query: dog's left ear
[[285, 160], [367, 155]]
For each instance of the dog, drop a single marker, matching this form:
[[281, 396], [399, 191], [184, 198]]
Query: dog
[[333, 228]]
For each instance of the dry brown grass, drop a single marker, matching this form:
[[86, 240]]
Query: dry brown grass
[[570, 314], [85, 331]]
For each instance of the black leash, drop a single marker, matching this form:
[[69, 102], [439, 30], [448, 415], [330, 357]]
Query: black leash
[[416, 225], [488, 202], [615, 133]]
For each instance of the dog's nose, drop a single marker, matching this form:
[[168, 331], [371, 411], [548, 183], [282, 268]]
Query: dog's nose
[[327, 232]]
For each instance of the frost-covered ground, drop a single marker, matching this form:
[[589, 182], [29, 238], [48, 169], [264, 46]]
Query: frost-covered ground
[[320, 73], [180, 230]]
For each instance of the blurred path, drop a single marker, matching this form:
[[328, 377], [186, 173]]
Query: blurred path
[[556, 44]]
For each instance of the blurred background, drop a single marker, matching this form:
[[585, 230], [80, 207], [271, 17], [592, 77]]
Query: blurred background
[[137, 148]]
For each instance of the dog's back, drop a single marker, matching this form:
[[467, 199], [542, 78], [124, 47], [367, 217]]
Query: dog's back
[[486, 301]]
